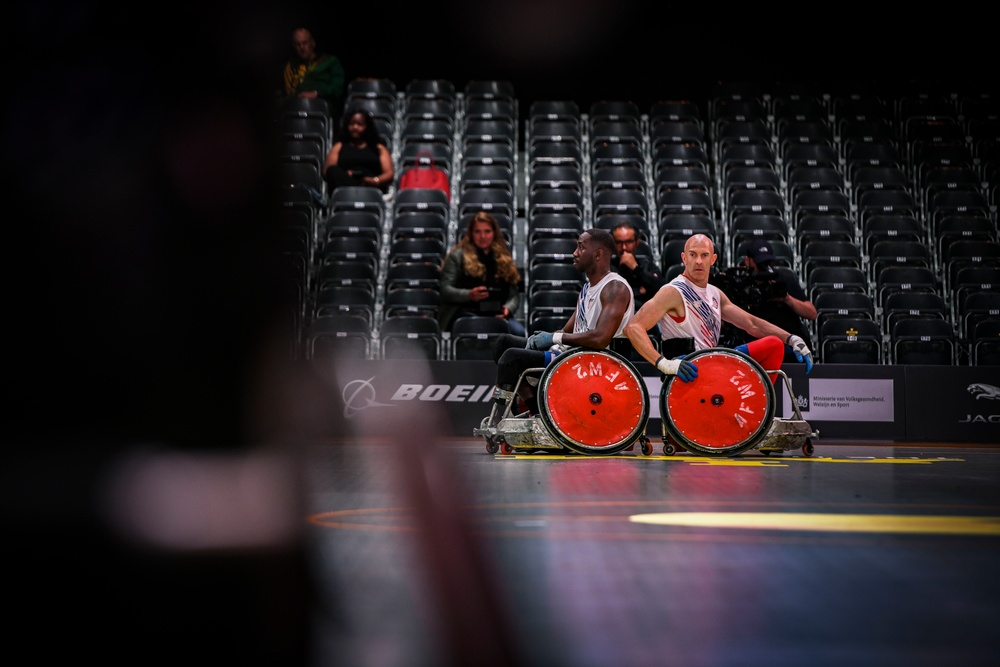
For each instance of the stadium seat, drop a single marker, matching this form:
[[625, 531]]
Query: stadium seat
[[985, 343], [839, 278], [818, 227], [419, 224], [850, 340], [348, 274], [551, 249], [413, 274], [904, 279], [418, 200], [333, 299], [901, 227], [353, 223], [551, 302], [410, 336], [898, 253], [830, 253], [899, 305], [472, 338], [976, 307], [423, 301], [344, 335], [920, 340], [410, 249], [350, 249], [836, 303], [567, 225], [554, 275]]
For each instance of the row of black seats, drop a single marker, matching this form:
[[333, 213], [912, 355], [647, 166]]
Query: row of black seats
[[620, 152], [378, 263]]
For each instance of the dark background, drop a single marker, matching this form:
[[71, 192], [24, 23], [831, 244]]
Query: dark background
[[136, 147], [644, 50], [144, 293]]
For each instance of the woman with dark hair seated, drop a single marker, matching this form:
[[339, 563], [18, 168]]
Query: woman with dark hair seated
[[360, 156]]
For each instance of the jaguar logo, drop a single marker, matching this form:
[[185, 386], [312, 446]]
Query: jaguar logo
[[988, 391]]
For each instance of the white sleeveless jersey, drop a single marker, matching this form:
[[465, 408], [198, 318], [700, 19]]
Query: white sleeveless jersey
[[588, 305], [702, 314]]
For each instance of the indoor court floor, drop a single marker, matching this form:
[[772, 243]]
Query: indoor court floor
[[865, 553]]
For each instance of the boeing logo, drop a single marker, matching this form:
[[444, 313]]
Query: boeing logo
[[360, 395]]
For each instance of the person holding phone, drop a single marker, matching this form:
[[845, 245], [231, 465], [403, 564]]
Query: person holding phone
[[479, 278]]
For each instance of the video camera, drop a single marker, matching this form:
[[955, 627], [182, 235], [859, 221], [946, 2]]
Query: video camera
[[746, 288]]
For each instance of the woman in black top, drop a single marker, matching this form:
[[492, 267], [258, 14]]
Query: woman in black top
[[360, 156]]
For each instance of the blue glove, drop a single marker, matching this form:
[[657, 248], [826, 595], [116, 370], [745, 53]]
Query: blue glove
[[801, 351], [682, 368], [540, 340]]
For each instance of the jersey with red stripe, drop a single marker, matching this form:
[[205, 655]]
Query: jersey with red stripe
[[702, 318]]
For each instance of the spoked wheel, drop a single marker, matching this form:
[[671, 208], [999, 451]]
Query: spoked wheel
[[727, 410], [593, 402]]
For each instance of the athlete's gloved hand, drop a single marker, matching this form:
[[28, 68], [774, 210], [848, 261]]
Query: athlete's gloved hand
[[801, 351], [683, 369], [540, 340]]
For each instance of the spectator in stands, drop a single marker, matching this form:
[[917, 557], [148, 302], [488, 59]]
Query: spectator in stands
[[640, 274], [311, 73], [360, 156], [479, 278], [691, 309], [788, 311], [604, 307]]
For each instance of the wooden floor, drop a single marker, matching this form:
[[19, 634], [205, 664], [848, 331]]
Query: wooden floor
[[866, 553]]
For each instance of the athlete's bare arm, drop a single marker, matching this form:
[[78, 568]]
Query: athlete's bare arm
[[614, 304], [666, 300], [755, 326]]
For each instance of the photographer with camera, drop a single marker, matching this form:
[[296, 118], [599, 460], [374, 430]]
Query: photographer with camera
[[770, 292]]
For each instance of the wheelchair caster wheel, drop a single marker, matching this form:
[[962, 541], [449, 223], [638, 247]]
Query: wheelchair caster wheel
[[808, 449], [492, 446], [645, 447]]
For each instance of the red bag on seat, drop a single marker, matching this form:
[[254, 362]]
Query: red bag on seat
[[425, 176]]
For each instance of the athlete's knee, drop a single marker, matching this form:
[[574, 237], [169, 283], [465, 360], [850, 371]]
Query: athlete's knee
[[768, 351], [506, 342]]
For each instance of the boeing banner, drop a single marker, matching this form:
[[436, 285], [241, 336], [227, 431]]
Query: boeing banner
[[852, 402]]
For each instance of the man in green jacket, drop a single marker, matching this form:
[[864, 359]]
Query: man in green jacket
[[313, 74]]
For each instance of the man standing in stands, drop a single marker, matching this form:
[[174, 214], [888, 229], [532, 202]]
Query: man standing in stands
[[603, 308], [688, 307], [312, 74]]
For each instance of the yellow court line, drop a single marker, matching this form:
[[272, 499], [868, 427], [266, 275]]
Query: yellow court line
[[854, 523], [768, 461]]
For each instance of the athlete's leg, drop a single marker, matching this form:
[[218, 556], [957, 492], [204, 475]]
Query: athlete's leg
[[512, 362], [505, 342], [768, 351]]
